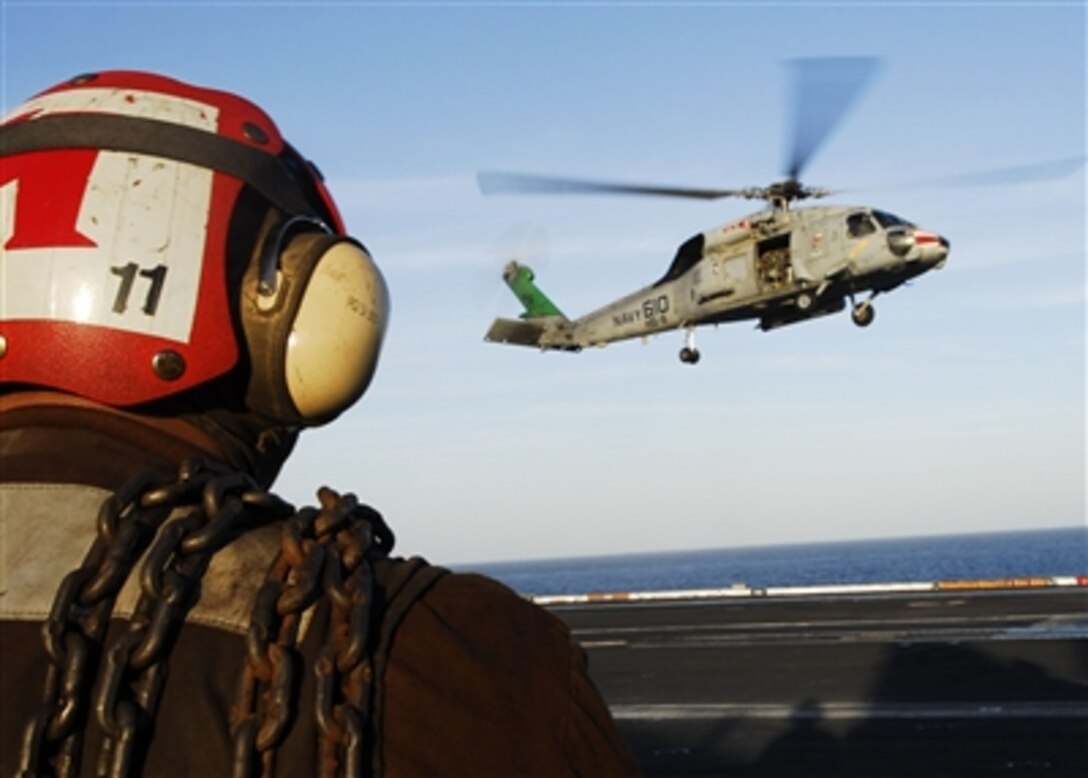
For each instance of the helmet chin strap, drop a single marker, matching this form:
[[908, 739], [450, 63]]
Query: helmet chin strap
[[249, 442], [246, 440]]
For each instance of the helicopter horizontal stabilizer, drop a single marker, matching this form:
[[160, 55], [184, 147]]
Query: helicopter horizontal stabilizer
[[518, 333], [546, 333]]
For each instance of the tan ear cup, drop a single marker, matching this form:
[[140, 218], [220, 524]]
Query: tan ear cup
[[334, 341], [313, 341]]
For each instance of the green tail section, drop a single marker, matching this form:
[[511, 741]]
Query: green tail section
[[520, 280]]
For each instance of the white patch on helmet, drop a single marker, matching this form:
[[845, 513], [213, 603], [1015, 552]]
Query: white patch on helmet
[[148, 219], [125, 102]]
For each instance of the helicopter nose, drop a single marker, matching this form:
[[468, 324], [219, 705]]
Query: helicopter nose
[[945, 247], [933, 248]]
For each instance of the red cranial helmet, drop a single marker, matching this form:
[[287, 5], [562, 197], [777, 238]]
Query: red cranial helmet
[[156, 236]]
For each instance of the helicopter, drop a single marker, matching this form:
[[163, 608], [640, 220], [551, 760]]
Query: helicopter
[[779, 266]]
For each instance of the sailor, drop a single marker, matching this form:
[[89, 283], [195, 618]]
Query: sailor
[[179, 299]]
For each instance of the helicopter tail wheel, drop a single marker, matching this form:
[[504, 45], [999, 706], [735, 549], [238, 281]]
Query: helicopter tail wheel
[[863, 314]]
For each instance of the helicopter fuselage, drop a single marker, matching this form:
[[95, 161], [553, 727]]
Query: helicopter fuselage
[[777, 266]]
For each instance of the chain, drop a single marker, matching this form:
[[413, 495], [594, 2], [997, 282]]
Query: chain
[[325, 553], [210, 505], [176, 524]]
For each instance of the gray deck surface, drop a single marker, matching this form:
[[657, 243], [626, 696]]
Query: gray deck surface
[[953, 683]]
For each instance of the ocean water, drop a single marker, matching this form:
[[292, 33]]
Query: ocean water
[[1056, 552]]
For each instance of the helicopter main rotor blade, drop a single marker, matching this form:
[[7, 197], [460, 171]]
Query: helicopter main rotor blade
[[824, 89], [519, 183], [1050, 170], [1020, 174]]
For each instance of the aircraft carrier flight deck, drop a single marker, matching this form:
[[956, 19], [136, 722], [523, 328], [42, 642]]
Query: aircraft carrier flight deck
[[960, 678]]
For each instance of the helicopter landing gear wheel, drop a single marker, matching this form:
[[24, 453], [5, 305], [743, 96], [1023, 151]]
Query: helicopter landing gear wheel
[[804, 302], [863, 314], [689, 356]]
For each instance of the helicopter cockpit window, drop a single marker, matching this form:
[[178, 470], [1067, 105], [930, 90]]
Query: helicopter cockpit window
[[890, 220], [858, 225]]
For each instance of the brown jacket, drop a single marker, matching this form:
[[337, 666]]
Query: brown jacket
[[477, 681]]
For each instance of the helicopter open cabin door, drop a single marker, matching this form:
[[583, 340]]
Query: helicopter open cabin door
[[773, 269]]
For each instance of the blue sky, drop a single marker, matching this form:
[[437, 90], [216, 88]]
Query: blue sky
[[961, 409]]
